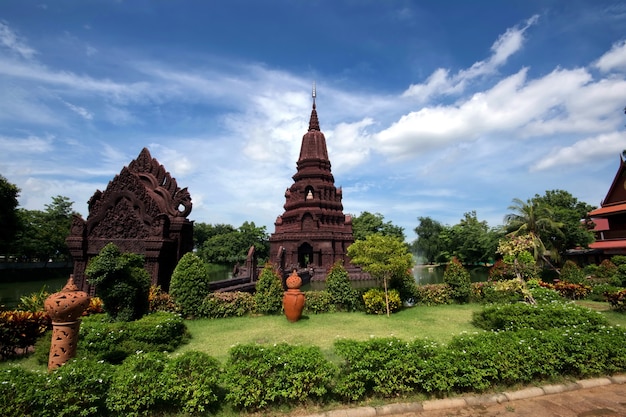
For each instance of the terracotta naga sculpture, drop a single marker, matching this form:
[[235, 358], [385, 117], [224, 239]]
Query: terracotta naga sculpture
[[65, 308]]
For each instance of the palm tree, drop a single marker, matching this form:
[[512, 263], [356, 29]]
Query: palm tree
[[537, 220]]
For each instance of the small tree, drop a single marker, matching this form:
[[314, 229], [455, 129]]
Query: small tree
[[121, 282], [269, 291], [385, 257], [341, 292], [522, 264], [190, 283], [457, 277], [572, 273]]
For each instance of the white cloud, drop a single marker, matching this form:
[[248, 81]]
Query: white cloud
[[14, 42], [439, 82], [615, 59], [604, 145], [81, 111]]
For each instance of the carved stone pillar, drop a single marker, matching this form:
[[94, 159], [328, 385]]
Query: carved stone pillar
[[65, 308]]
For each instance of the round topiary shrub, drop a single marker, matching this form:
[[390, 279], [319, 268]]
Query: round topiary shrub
[[121, 282], [572, 273], [269, 291], [341, 292], [457, 277], [190, 284]]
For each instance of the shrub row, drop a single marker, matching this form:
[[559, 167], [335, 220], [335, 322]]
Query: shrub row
[[259, 377], [520, 316], [142, 384]]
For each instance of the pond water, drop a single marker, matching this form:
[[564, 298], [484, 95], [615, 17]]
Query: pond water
[[10, 292]]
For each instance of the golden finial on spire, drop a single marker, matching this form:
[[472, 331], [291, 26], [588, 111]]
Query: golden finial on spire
[[314, 94]]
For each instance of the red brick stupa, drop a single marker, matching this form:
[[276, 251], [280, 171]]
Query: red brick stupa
[[313, 233]]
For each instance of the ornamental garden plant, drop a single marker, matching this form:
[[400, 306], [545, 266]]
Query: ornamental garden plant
[[144, 366]]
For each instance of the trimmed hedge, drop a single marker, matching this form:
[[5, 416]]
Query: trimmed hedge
[[227, 304], [512, 317], [260, 376]]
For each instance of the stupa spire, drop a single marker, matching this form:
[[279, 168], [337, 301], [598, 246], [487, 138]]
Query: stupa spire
[[314, 123]]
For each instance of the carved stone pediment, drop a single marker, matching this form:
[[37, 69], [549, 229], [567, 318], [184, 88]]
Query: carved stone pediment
[[143, 211]]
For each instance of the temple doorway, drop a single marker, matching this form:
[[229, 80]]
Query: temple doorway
[[305, 255]]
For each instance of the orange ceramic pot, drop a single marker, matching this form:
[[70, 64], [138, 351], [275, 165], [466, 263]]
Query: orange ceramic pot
[[293, 299]]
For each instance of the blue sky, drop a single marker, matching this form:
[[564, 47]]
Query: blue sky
[[430, 108]]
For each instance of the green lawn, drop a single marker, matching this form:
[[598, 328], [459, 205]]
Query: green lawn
[[437, 323]]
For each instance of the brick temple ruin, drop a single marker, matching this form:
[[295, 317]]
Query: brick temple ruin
[[141, 211]]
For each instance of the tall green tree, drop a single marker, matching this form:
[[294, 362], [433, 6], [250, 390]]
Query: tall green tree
[[385, 257], [536, 219], [43, 233], [428, 243], [223, 244], [573, 215], [471, 241], [367, 223], [9, 218]]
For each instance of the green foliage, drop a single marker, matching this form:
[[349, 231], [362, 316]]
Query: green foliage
[[543, 295], [512, 317], [599, 291], [534, 219], [385, 258], [138, 386], [471, 240], [20, 329], [619, 278], [223, 244], [9, 219], [508, 291], [227, 304], [269, 291], [366, 224], [572, 273], [42, 234], [428, 243], [381, 366], [569, 213], [190, 284], [458, 278], [101, 339], [260, 376], [121, 282], [340, 290], [318, 302], [34, 301], [20, 392], [390, 367], [434, 294], [79, 387], [375, 302], [160, 300], [606, 270], [192, 383]]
